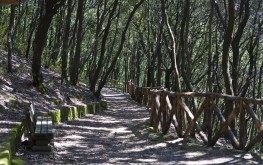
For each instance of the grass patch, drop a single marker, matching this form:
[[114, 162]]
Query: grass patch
[[57, 102], [158, 135], [13, 103], [18, 161], [42, 89], [2, 70]]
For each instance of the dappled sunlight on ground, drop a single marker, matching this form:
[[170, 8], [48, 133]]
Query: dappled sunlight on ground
[[119, 136]]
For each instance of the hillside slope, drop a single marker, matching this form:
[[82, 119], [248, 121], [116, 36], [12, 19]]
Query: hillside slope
[[17, 91]]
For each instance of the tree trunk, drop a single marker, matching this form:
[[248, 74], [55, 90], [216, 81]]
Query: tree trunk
[[210, 48], [74, 73], [244, 5], [225, 58], [104, 78], [49, 9], [10, 38], [226, 46], [183, 48], [158, 51], [32, 28], [174, 61], [64, 54], [99, 66]]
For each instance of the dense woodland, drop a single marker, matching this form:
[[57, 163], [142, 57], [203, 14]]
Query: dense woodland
[[183, 45]]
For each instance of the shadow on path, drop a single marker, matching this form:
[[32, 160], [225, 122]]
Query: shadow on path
[[117, 136]]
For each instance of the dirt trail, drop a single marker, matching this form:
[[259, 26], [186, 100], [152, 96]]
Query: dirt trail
[[116, 136]]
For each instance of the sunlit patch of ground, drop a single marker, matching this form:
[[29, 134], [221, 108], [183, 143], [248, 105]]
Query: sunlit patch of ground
[[119, 136]]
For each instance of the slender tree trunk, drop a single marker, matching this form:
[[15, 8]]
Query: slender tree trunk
[[208, 118], [99, 67], [150, 69], [64, 55], [32, 28], [74, 74], [10, 38], [225, 58], [183, 48], [158, 51], [226, 46], [210, 48], [123, 38], [174, 61], [100, 16], [48, 9], [244, 5]]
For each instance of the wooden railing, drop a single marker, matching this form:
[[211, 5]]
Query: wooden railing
[[204, 113]]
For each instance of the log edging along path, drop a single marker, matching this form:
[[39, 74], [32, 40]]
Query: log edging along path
[[11, 144], [117, 136]]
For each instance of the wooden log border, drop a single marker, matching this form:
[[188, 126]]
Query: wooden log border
[[11, 144]]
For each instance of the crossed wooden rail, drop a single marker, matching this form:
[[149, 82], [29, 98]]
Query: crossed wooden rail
[[203, 113], [11, 2]]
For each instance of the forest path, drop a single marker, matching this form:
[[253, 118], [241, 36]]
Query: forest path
[[118, 136]]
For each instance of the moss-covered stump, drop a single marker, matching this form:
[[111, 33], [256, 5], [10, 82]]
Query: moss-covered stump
[[10, 145], [68, 113], [18, 161], [5, 153], [103, 105]]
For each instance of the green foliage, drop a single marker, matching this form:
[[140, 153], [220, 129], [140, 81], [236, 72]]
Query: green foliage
[[42, 89], [2, 70], [57, 102], [150, 129], [103, 105], [5, 155], [80, 97], [51, 83], [158, 135], [1, 108], [18, 161]]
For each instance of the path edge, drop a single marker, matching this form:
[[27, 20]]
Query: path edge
[[12, 142]]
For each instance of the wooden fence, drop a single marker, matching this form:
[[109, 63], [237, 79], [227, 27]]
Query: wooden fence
[[193, 113]]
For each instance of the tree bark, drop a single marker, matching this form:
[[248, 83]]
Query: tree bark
[[32, 28], [123, 38], [183, 48], [64, 55], [74, 73], [174, 61], [225, 58], [10, 37], [99, 66], [210, 48], [243, 16], [158, 50], [226, 46], [48, 10]]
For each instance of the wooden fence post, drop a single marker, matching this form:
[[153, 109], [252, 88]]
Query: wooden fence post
[[152, 109], [165, 111], [242, 125]]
